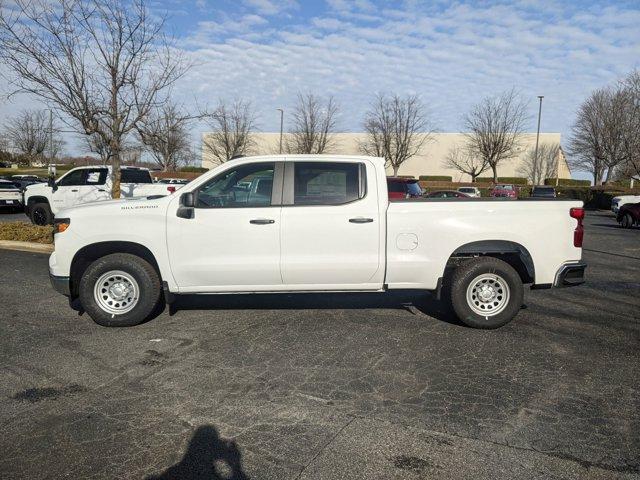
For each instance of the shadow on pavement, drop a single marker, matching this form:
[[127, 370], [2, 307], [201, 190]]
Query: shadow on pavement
[[401, 300], [208, 457]]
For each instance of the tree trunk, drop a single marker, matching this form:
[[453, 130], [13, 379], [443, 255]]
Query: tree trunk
[[115, 168], [395, 170], [494, 168]]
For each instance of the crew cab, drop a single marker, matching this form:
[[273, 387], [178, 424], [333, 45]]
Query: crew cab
[[85, 185], [311, 223]]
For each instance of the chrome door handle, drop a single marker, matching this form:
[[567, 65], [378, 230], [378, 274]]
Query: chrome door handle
[[361, 220], [74, 190], [262, 221], [101, 190]]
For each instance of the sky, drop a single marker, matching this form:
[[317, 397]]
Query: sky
[[451, 54]]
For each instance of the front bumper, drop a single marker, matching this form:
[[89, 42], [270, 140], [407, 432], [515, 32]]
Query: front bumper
[[61, 284], [11, 203], [570, 275]]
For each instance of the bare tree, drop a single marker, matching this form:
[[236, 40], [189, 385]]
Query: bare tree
[[631, 140], [537, 168], [494, 128], [396, 128], [165, 133], [103, 63], [96, 144], [313, 125], [232, 131], [29, 134], [597, 144], [466, 161]]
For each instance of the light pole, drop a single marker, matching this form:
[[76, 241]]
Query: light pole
[[535, 155], [281, 125]]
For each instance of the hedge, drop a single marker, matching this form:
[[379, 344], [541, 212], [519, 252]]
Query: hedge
[[435, 178], [514, 180], [194, 169], [25, 232], [567, 182]]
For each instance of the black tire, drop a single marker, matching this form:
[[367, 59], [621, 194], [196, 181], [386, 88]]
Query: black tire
[[627, 221], [466, 274], [40, 214], [146, 277]]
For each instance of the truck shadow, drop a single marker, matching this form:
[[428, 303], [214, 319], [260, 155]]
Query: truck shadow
[[414, 302], [208, 457]]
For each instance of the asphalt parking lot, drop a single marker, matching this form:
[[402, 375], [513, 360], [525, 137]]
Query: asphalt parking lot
[[338, 386]]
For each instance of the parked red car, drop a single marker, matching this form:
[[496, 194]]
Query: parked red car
[[505, 190], [629, 215], [399, 187]]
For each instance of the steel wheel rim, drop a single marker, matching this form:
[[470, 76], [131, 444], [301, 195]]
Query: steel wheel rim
[[488, 294], [39, 216], [116, 292]]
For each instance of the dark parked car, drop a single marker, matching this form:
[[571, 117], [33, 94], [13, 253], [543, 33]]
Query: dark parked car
[[447, 194], [399, 187], [541, 191], [23, 181], [629, 215]]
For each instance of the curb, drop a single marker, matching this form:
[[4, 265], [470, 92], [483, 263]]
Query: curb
[[26, 246]]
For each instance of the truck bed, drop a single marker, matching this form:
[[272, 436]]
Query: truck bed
[[424, 233]]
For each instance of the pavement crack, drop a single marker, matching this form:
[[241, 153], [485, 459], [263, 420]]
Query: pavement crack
[[324, 447]]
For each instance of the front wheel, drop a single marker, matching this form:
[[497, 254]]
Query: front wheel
[[120, 290], [41, 214], [486, 292]]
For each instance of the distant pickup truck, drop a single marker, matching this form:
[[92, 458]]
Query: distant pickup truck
[[312, 223], [86, 185]]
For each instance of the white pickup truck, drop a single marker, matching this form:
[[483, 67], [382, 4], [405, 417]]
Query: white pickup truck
[[85, 185], [312, 223]]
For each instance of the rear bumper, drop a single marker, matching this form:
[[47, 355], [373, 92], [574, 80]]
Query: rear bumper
[[570, 275], [61, 284]]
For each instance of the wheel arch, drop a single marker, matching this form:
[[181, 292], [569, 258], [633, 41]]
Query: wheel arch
[[37, 199], [89, 253], [513, 253]]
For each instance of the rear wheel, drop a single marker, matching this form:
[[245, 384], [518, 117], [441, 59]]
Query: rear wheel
[[120, 290], [486, 292], [41, 214], [627, 221]]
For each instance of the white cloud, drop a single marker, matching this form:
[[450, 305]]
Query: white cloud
[[452, 54], [271, 7]]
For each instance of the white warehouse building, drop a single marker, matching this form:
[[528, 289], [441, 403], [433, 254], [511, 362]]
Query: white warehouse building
[[429, 161]]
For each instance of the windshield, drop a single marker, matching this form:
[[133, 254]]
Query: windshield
[[8, 186], [466, 190], [504, 187], [543, 189]]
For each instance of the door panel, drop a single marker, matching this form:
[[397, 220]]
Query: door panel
[[222, 248], [336, 244], [234, 238]]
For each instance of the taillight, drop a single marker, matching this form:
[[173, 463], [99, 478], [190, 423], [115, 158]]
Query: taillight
[[171, 189], [578, 233]]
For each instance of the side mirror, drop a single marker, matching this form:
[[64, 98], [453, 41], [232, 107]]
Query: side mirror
[[51, 182], [188, 200], [187, 204]]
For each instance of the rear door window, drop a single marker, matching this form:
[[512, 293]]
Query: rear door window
[[132, 175], [327, 183]]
